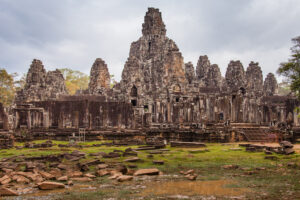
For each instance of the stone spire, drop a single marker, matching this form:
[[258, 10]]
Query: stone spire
[[99, 77], [55, 84], [270, 85], [153, 24], [209, 75], [189, 72], [202, 67], [254, 77], [235, 76], [40, 85], [36, 75], [155, 64], [213, 77]]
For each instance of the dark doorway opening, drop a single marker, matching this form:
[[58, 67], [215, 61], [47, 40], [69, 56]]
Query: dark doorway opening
[[133, 102]]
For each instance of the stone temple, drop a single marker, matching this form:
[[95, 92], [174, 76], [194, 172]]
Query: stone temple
[[159, 95]]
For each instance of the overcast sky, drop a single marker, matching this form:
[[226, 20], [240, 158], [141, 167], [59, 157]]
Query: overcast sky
[[73, 33]]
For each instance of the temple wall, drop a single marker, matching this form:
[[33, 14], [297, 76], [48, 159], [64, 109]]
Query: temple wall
[[76, 114], [99, 113]]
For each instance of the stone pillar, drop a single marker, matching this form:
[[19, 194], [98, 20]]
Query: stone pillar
[[17, 119], [5, 122], [61, 123], [28, 120], [296, 119], [119, 121], [76, 119], [46, 123], [90, 121]]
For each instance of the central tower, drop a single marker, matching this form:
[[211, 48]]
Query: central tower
[[155, 67]]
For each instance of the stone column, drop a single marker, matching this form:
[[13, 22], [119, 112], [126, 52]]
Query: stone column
[[5, 122], [61, 124], [46, 120], [28, 120], [17, 118]]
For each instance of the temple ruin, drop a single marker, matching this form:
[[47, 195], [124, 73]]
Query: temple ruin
[[158, 95]]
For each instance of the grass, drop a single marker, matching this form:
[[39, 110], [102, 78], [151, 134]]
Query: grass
[[277, 181]]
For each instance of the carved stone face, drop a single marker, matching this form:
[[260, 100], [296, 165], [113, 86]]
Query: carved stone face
[[34, 78]]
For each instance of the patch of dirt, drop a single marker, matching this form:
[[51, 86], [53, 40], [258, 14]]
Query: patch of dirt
[[193, 188]]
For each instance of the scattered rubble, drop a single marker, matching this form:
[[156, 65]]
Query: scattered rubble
[[7, 192]]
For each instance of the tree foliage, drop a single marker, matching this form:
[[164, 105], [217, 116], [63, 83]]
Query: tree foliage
[[113, 82], [284, 88], [7, 88], [75, 80], [291, 69], [20, 83]]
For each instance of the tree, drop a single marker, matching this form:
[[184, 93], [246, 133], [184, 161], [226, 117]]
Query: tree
[[113, 82], [20, 83], [284, 88], [75, 80], [7, 88], [291, 69]]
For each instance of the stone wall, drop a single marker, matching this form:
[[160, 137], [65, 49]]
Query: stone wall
[[92, 112]]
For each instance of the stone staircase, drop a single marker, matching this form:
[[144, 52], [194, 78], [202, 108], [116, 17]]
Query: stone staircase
[[255, 134], [252, 132]]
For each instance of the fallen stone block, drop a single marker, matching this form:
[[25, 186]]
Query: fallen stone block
[[63, 178], [158, 162], [142, 172], [134, 159], [7, 192], [187, 144], [20, 179], [288, 151], [47, 185], [230, 167], [271, 157], [286, 144], [191, 177], [74, 174], [81, 179], [46, 175], [124, 178], [90, 175], [102, 166], [102, 172]]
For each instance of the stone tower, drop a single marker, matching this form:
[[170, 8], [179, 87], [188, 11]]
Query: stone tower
[[270, 85], [99, 77], [254, 78], [209, 75], [40, 85], [202, 67], [155, 65], [36, 75], [235, 76], [55, 84], [189, 72]]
